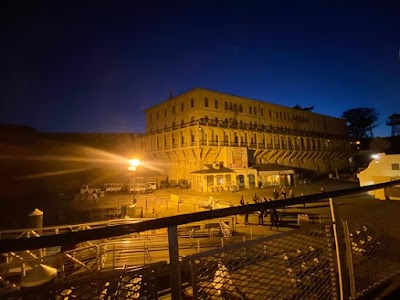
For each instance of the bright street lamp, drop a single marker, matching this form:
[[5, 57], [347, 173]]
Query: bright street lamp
[[133, 164]]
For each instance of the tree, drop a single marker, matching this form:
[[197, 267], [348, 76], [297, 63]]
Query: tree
[[360, 122]]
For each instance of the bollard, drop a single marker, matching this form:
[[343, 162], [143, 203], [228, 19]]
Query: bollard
[[38, 282], [35, 220]]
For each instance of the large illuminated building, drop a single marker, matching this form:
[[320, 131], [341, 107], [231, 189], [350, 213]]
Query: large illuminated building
[[218, 141]]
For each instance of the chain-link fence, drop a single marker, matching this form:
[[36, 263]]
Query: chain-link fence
[[134, 283], [298, 265], [374, 240]]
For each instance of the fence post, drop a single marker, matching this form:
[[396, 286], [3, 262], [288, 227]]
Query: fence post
[[174, 264], [349, 259], [344, 285]]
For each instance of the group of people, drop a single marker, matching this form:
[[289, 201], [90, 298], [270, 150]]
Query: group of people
[[274, 215]]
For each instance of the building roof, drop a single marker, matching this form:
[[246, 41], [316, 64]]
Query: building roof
[[211, 170]]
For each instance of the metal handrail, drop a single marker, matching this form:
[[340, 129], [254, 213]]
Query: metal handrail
[[8, 245]]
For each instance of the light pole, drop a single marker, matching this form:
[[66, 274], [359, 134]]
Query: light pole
[[133, 164]]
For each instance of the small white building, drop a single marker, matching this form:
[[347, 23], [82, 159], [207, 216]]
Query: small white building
[[382, 168]]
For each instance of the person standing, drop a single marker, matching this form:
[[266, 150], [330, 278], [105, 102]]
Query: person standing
[[242, 200], [267, 210], [256, 198], [274, 219], [246, 217], [260, 218], [283, 193], [275, 195]]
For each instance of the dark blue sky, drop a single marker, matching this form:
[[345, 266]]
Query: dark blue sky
[[94, 66]]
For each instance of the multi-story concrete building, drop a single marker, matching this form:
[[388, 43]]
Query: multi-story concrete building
[[203, 129]]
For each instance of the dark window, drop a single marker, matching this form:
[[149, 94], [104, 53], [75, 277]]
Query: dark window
[[240, 108], [182, 106], [205, 102], [216, 103], [395, 167], [226, 105], [250, 110], [192, 103], [173, 109]]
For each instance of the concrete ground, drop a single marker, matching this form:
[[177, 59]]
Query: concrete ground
[[161, 204]]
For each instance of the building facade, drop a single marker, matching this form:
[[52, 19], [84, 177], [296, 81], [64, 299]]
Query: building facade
[[202, 127], [382, 168]]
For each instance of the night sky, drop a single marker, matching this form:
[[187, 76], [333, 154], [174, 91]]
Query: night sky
[[94, 66]]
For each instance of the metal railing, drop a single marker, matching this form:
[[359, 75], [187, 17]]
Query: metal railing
[[344, 257]]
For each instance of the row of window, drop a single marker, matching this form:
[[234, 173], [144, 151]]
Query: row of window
[[237, 108], [302, 142]]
